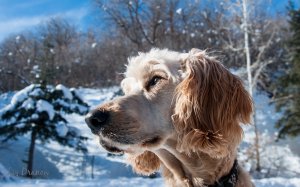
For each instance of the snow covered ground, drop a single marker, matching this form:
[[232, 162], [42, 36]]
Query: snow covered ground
[[62, 166], [137, 182]]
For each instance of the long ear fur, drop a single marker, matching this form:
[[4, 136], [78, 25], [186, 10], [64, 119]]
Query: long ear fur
[[210, 104], [145, 164]]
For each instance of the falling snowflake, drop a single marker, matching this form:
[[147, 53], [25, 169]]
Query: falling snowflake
[[179, 11], [94, 45], [52, 51]]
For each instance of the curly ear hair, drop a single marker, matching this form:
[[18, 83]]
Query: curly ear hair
[[146, 163], [210, 104]]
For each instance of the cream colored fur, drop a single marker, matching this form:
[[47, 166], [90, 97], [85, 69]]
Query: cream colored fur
[[181, 112]]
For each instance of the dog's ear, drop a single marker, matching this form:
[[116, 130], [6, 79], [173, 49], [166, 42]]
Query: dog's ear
[[146, 163], [210, 104]]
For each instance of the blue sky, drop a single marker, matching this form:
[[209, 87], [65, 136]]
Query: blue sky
[[19, 15]]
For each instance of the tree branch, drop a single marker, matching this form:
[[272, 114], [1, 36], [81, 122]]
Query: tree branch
[[262, 50]]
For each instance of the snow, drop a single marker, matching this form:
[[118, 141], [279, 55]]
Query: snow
[[80, 108], [77, 60], [61, 129], [35, 67], [62, 102], [179, 11], [45, 106], [5, 99], [36, 92], [21, 95], [204, 14], [12, 156], [278, 39], [34, 116], [4, 174], [94, 45], [76, 93], [52, 51], [132, 182], [136, 182], [28, 104], [278, 158], [66, 167], [277, 182], [65, 90], [20, 125]]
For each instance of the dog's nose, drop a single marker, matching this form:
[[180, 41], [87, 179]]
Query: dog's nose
[[96, 119]]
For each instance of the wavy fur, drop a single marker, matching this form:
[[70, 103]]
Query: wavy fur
[[210, 104], [182, 113]]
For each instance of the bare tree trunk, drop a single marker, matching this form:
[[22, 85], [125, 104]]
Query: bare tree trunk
[[92, 163], [31, 153], [256, 144], [248, 59], [247, 50]]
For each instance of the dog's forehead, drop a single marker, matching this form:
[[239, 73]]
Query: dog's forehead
[[139, 66]]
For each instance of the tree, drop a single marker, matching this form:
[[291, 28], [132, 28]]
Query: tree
[[173, 24], [252, 38], [39, 110], [135, 20], [287, 92], [57, 52], [16, 53], [249, 78]]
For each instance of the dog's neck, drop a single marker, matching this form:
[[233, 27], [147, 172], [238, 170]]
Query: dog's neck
[[195, 169], [228, 180]]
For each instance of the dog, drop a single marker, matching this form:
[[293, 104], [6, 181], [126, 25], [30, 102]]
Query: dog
[[181, 113]]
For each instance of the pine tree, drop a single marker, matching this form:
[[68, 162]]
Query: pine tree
[[288, 89], [39, 110]]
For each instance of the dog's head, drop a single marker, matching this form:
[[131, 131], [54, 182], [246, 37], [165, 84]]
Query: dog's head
[[141, 119], [190, 96]]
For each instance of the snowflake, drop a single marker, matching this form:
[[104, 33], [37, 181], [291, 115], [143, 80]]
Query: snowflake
[[94, 45], [52, 51], [179, 11]]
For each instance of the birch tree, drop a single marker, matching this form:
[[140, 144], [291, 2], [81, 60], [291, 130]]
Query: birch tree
[[250, 84], [253, 38]]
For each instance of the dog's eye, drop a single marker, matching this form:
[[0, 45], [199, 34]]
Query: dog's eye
[[153, 81]]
